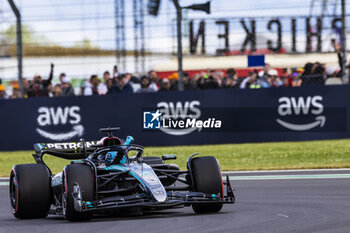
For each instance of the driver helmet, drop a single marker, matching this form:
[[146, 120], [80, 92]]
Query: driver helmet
[[110, 156]]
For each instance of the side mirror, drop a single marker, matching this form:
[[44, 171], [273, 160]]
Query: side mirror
[[168, 157]]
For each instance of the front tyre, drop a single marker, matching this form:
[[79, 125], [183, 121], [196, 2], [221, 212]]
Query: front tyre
[[83, 176], [30, 191], [206, 179]]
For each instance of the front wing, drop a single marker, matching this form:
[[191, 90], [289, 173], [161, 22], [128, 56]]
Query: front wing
[[174, 199], [144, 200]]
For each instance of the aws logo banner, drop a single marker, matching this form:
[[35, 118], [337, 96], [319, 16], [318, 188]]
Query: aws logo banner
[[302, 113], [59, 123], [173, 111]]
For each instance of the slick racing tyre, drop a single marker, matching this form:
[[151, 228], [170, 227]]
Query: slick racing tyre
[[206, 179], [83, 176], [30, 191]]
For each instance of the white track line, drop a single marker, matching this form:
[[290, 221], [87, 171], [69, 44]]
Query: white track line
[[296, 170], [289, 177], [4, 180]]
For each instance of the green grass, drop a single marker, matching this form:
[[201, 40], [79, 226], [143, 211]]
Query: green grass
[[257, 156]]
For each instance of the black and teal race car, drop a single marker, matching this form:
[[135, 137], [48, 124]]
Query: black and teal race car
[[112, 176]]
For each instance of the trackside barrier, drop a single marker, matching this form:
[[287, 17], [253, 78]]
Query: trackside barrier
[[208, 116]]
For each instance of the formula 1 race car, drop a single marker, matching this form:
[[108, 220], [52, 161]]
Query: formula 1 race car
[[111, 176]]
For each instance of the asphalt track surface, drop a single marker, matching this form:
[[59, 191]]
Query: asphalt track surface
[[307, 201]]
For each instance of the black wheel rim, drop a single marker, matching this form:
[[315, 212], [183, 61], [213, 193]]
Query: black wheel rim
[[13, 192]]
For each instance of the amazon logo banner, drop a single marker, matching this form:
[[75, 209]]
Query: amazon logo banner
[[189, 118], [69, 116], [308, 114], [300, 106]]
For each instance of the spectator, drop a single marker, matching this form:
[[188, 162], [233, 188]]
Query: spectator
[[207, 81], [145, 86], [67, 89], [263, 74], [115, 72], [188, 85], [36, 89], [15, 92], [308, 69], [194, 79], [2, 92], [272, 79], [314, 74], [46, 83], [285, 73], [251, 81], [165, 85], [231, 80], [230, 73], [83, 83], [173, 81], [90, 88], [57, 90], [133, 79], [154, 80], [40, 87], [218, 76], [285, 81], [104, 87], [62, 75], [123, 85], [295, 80], [319, 74]]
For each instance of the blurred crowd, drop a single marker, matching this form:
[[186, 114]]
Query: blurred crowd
[[115, 82]]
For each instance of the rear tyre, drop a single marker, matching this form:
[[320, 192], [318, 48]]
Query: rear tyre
[[83, 176], [30, 191], [206, 179]]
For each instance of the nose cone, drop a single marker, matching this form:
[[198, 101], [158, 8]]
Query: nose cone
[[159, 193], [149, 179]]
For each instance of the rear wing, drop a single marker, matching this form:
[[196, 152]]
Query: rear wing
[[69, 147], [65, 150]]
